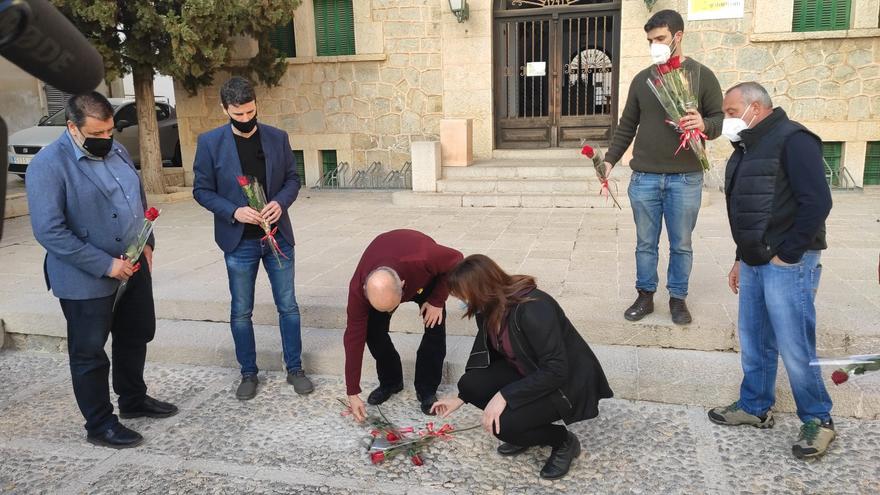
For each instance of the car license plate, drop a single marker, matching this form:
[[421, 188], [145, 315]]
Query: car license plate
[[20, 159]]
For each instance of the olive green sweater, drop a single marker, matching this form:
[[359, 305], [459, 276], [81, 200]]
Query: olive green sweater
[[656, 141]]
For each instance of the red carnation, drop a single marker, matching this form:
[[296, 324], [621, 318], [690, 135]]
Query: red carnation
[[587, 151], [664, 68], [243, 181], [675, 63], [391, 437], [377, 457], [417, 460], [839, 377], [152, 214]]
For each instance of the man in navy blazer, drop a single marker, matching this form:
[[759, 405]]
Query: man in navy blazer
[[87, 205], [241, 148]]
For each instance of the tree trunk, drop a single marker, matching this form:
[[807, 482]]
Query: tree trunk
[[148, 131]]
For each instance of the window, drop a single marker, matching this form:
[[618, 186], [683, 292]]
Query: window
[[162, 113], [299, 156], [872, 164], [334, 27], [282, 39], [328, 161], [832, 152], [821, 15], [127, 113]]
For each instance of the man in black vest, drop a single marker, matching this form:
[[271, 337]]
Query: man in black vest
[[777, 203]]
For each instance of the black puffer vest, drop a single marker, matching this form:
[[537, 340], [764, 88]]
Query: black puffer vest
[[761, 205]]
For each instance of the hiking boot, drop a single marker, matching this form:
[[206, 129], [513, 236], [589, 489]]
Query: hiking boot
[[643, 306], [679, 310], [247, 389], [814, 439], [301, 383], [732, 415]]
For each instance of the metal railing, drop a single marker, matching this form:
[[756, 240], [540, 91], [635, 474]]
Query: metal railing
[[839, 179], [373, 177]]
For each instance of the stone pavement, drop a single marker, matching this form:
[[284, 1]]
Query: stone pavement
[[284, 443], [582, 256]]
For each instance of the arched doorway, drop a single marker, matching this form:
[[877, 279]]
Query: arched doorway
[[555, 72]]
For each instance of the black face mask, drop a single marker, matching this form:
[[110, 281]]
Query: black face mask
[[244, 127], [99, 147]]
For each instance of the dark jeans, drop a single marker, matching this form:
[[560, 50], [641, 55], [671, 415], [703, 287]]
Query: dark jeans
[[88, 324], [526, 426], [429, 358], [242, 266]]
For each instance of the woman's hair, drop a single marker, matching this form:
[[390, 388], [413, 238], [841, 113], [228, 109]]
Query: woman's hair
[[487, 288]]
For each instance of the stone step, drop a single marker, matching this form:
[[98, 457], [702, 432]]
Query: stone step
[[412, 199], [652, 374], [543, 154], [532, 169], [573, 185]]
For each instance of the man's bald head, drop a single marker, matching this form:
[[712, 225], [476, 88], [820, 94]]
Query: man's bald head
[[384, 289]]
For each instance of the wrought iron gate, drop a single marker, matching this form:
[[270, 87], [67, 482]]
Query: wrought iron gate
[[556, 73]]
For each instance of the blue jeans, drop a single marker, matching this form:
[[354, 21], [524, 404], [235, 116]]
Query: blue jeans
[[777, 316], [242, 266], [676, 197]]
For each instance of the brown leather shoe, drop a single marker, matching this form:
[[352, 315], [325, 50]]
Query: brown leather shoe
[[679, 310], [643, 306]]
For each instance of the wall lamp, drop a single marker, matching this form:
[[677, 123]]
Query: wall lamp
[[460, 9]]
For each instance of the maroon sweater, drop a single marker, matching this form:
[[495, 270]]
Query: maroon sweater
[[418, 260]]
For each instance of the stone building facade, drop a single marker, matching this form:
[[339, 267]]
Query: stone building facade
[[415, 65]]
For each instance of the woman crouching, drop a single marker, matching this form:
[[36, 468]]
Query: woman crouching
[[528, 368]]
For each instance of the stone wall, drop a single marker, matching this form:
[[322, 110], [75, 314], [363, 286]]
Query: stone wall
[[829, 81], [21, 99]]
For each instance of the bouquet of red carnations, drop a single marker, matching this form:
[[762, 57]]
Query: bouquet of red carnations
[[598, 158], [136, 248], [850, 366], [677, 89], [257, 200], [387, 440]]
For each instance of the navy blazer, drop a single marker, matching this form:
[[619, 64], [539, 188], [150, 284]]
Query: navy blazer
[[74, 219], [216, 187]]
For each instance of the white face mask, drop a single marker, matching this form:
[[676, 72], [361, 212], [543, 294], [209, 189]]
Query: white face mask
[[661, 52], [731, 127]]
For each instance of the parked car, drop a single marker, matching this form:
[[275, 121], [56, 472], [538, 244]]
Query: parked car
[[24, 144]]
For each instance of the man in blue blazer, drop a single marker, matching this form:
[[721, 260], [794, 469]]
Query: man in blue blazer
[[238, 149], [87, 205]]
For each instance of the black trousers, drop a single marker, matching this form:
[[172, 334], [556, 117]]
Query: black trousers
[[526, 426], [133, 325], [429, 357]]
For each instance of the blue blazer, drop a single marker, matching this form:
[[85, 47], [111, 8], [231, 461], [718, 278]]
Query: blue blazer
[[74, 219], [216, 187]]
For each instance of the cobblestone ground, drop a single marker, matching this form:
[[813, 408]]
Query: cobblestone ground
[[283, 443]]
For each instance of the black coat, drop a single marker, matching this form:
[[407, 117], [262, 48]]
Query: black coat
[[559, 363]]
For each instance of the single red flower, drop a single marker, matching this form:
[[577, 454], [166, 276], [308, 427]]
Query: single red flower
[[839, 377], [391, 437], [417, 460], [674, 63], [587, 151], [377, 457], [151, 214], [374, 433], [243, 181], [664, 68]]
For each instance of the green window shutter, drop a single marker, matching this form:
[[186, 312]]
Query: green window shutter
[[334, 27], [328, 161], [872, 164], [821, 15], [299, 156], [283, 40], [832, 152]]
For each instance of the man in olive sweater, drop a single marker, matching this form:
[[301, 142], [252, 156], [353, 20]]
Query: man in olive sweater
[[665, 183]]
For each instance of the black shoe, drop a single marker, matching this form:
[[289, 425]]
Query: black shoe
[[427, 403], [679, 310], [509, 449], [560, 458], [643, 306], [247, 389], [381, 394], [116, 437], [150, 408]]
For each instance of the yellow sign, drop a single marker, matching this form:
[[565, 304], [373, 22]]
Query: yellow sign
[[704, 10]]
